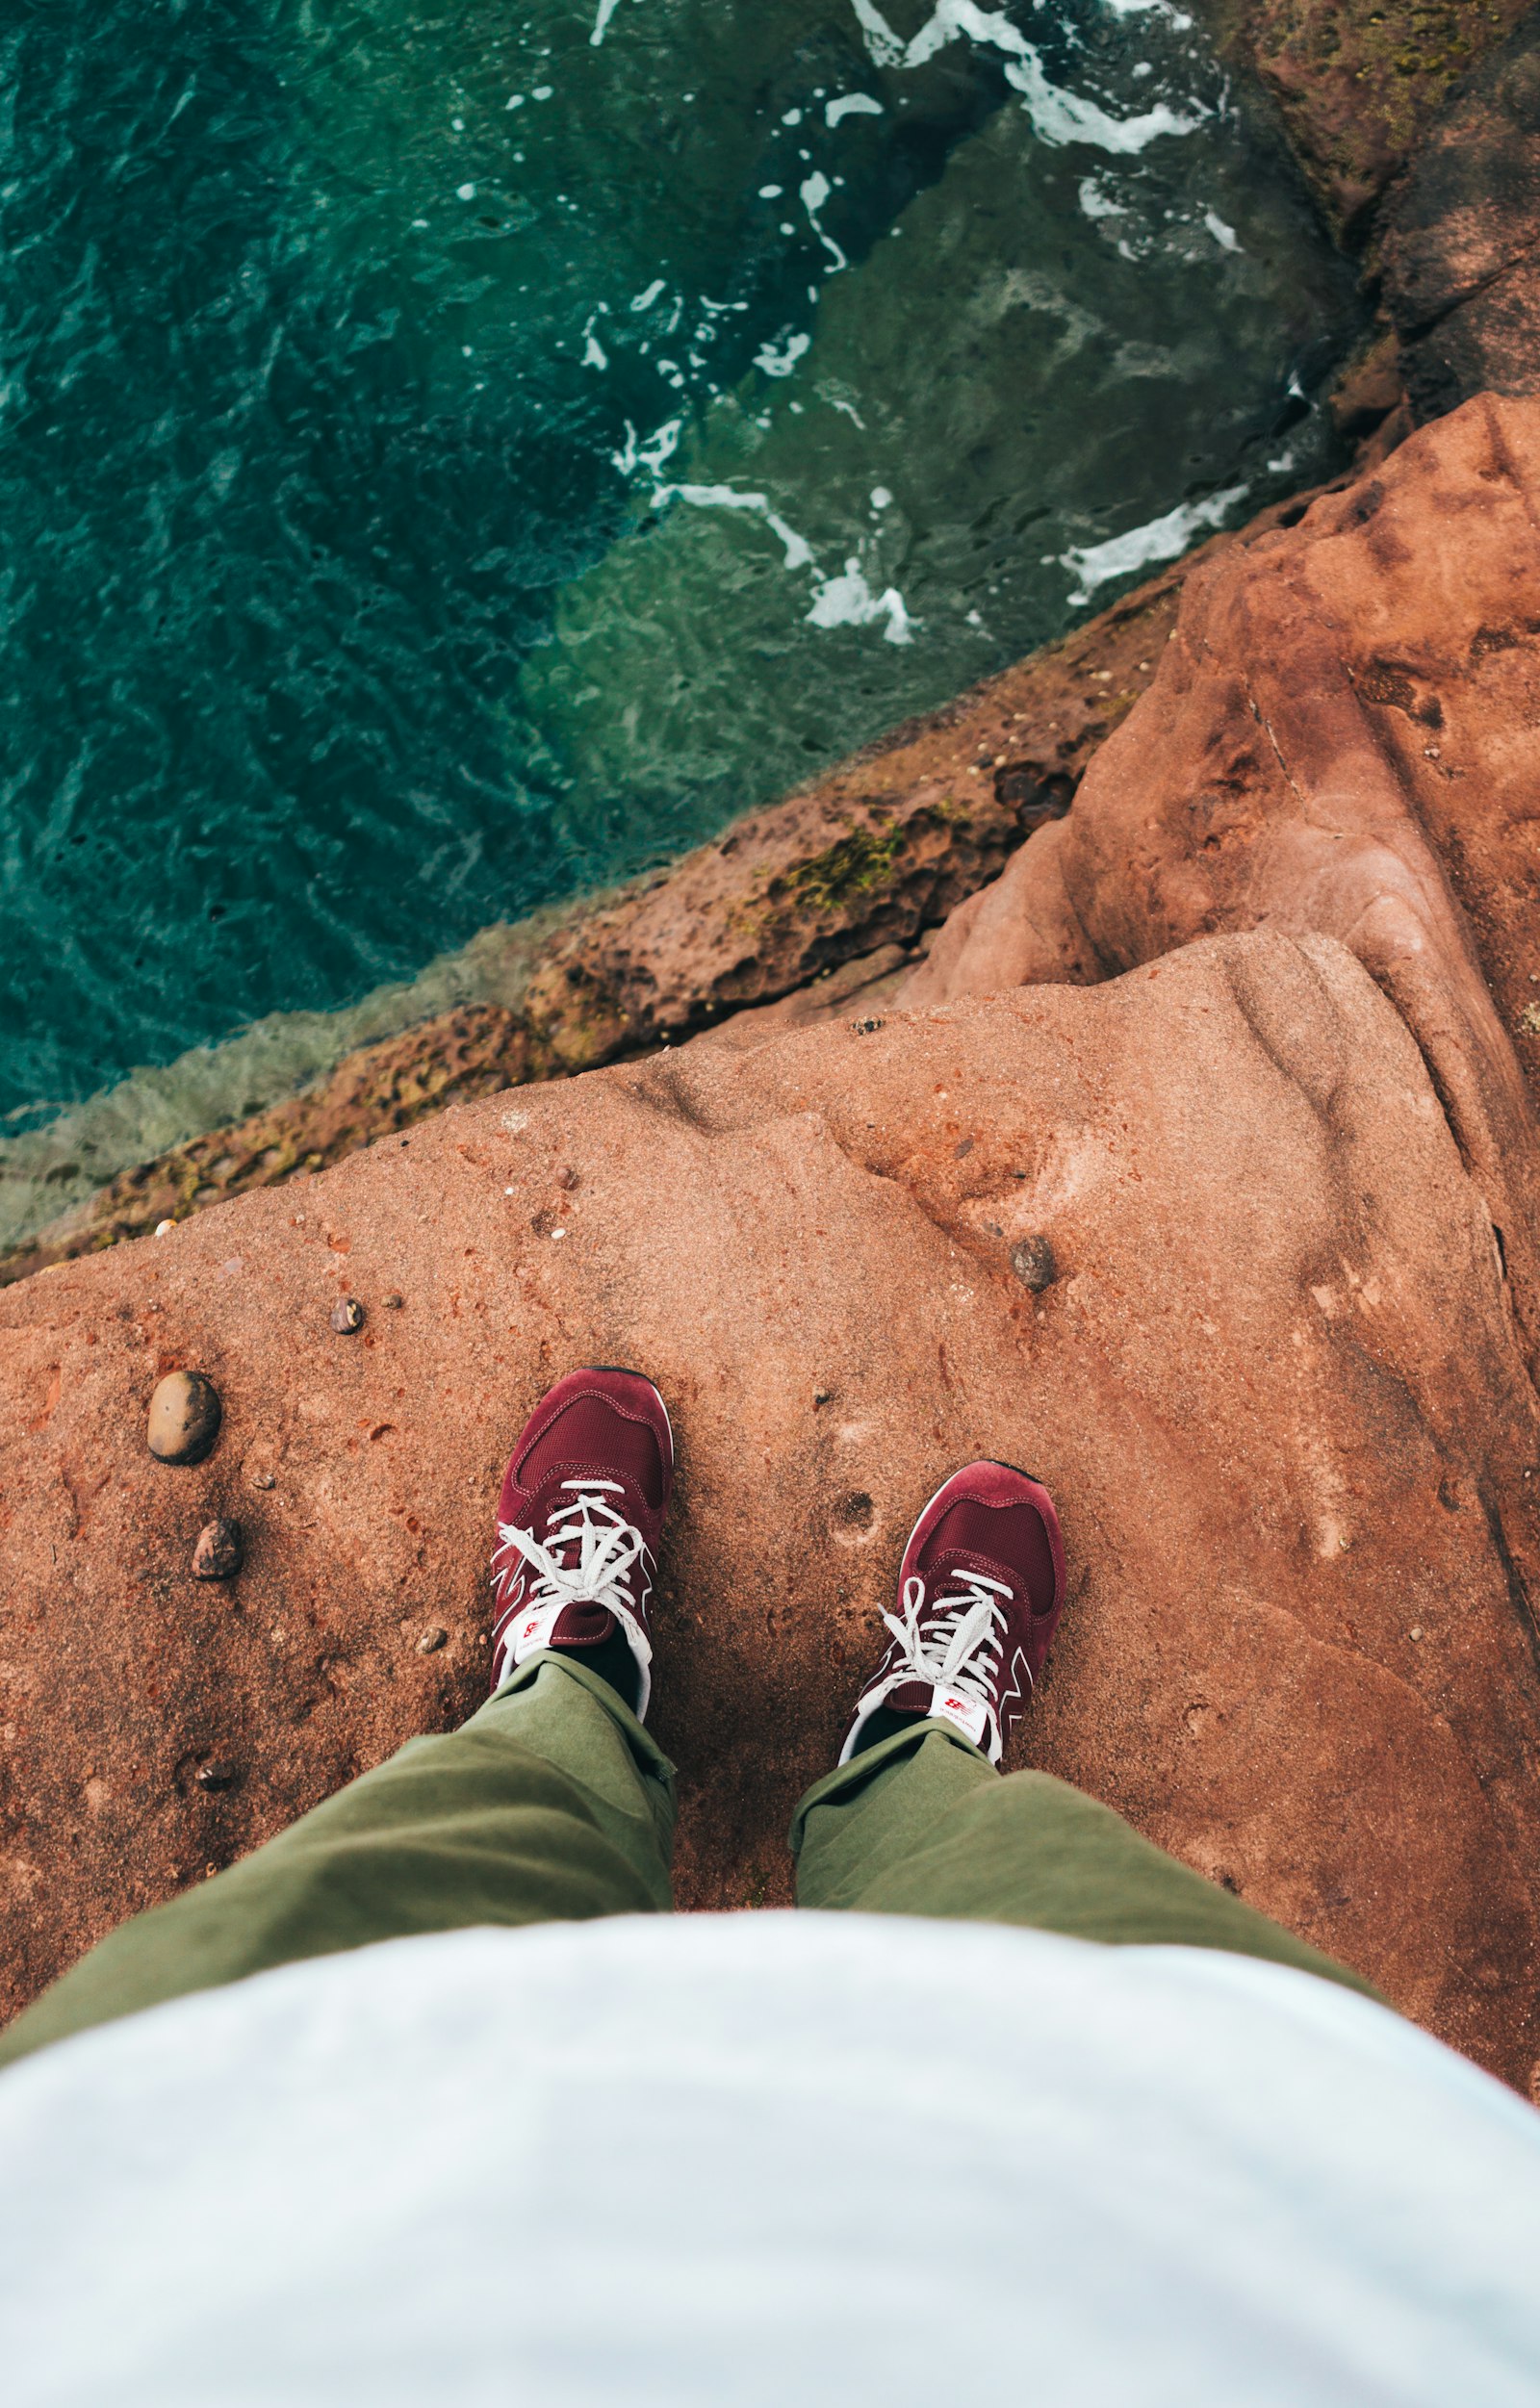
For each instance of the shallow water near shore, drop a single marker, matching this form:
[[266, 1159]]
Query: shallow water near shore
[[453, 458]]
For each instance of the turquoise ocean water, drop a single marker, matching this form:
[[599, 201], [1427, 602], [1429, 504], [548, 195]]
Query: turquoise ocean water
[[453, 457]]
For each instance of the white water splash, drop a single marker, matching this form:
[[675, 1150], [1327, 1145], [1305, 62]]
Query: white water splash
[[884, 47], [851, 105], [781, 363], [652, 454], [1150, 8], [814, 190], [1094, 203], [1058, 116], [799, 551], [848, 601], [1142, 547], [594, 353]]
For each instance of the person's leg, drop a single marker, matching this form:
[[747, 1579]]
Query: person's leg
[[551, 1803], [922, 1824], [916, 1819]]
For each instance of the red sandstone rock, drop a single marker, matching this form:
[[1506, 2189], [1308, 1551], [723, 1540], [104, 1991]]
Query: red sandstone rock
[[1356, 83], [1275, 1385], [1343, 736], [1462, 283]]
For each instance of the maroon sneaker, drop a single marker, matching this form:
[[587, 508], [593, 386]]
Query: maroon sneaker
[[578, 1521], [981, 1589]]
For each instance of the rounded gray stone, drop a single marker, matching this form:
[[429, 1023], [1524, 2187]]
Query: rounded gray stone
[[184, 1418]]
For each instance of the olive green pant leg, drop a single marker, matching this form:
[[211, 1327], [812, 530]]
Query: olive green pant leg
[[922, 1824], [550, 1804]]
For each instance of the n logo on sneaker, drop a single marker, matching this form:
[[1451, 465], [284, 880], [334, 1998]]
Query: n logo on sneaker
[[1016, 1693]]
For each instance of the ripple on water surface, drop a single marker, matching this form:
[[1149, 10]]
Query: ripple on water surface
[[454, 456]]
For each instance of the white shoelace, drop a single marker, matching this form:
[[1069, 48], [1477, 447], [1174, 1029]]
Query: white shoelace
[[609, 1549], [962, 1645]]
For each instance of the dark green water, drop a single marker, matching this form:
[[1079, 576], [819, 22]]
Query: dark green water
[[447, 461]]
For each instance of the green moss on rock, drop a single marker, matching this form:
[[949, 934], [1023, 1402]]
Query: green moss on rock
[[844, 872]]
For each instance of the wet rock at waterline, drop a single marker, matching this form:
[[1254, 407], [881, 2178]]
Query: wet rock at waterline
[[184, 1418]]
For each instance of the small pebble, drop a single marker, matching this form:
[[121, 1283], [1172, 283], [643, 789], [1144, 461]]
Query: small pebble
[[1416, 1630], [822, 1397], [567, 1178], [218, 1553], [965, 1146], [1032, 1260], [184, 1418], [262, 1479], [865, 1028], [214, 1777], [430, 1641], [393, 1302], [347, 1316]]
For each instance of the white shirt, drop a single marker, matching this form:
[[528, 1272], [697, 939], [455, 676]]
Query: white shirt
[[772, 2159]]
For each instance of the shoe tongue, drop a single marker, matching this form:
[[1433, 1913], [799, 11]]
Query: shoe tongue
[[911, 1696], [584, 1625]]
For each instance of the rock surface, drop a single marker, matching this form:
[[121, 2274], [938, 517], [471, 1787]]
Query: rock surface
[[1357, 83], [1344, 738], [1462, 275], [1274, 1384]]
